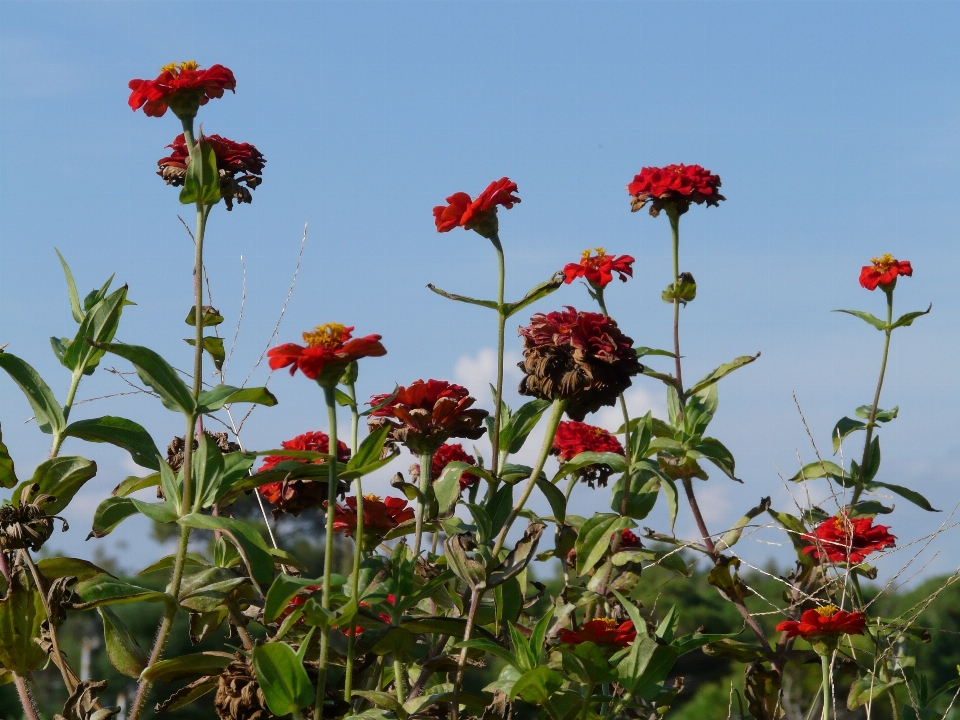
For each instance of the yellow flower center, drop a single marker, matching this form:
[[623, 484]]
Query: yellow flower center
[[329, 336], [586, 259], [177, 68], [828, 611], [843, 525], [373, 498], [610, 623], [884, 262]]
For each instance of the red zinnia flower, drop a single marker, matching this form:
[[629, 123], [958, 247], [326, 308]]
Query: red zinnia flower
[[573, 438], [480, 214], [448, 453], [677, 185], [328, 352], [827, 620], [239, 164], [184, 87], [599, 269], [424, 415], [379, 516], [883, 271], [842, 539], [297, 494], [629, 539], [582, 357], [603, 631], [297, 600]]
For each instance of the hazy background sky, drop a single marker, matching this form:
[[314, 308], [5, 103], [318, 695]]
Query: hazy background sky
[[834, 127]]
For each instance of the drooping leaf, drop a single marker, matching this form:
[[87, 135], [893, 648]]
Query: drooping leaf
[[211, 662], [121, 432], [556, 498], [491, 304], [124, 651], [911, 495], [8, 477], [721, 372], [446, 488], [518, 558], [156, 373], [213, 346], [537, 293], [114, 510], [866, 317], [58, 567], [821, 469], [105, 589], [732, 536], [133, 483], [21, 613], [61, 477], [844, 427], [245, 536], [907, 318], [42, 401]]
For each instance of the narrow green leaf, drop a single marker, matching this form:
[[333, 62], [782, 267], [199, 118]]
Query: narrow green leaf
[[732, 536], [58, 567], [721, 372], [215, 398], [670, 491], [45, 406], [213, 346], [121, 432], [537, 293], [866, 317], [911, 495], [594, 539], [463, 298], [642, 351], [157, 374], [281, 592], [245, 536], [446, 488], [124, 651], [71, 290], [133, 483], [208, 469], [844, 427], [210, 662], [556, 498], [106, 589], [99, 325], [820, 469], [616, 462], [908, 318]]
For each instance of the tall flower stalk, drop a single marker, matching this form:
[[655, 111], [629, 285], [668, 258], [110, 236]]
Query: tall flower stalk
[[329, 396]]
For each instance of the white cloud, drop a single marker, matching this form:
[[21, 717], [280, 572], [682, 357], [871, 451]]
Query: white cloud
[[478, 372], [640, 401]]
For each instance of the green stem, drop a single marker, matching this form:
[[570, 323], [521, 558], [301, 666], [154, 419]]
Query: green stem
[[398, 673], [330, 398], [876, 396], [501, 331], [357, 549], [675, 233], [894, 709], [556, 414], [67, 405], [426, 467], [825, 669]]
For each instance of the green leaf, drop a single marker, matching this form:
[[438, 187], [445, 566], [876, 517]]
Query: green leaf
[[105, 589], [71, 290], [463, 298], [518, 558], [172, 487], [211, 316], [42, 401], [210, 662], [864, 690], [821, 469], [673, 504], [616, 462], [645, 667], [8, 477], [21, 613], [521, 424], [594, 539], [911, 495], [121, 432], [736, 650], [882, 416], [166, 563], [643, 351], [208, 473], [215, 398], [370, 450], [717, 453], [95, 296], [157, 374], [908, 318], [133, 483], [794, 527], [537, 293], [447, 487], [556, 498], [99, 325], [722, 372], [872, 467], [732, 536], [724, 577], [641, 501], [58, 567], [386, 701], [201, 184], [281, 592], [866, 317], [114, 510], [124, 651], [844, 427], [213, 346], [61, 477], [537, 685], [245, 536]]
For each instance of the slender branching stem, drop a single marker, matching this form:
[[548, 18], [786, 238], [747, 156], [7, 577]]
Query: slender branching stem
[[330, 398], [357, 549], [501, 331], [58, 438], [675, 232]]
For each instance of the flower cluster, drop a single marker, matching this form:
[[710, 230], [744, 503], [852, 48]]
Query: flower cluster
[[239, 164], [582, 357], [479, 215], [598, 269], [883, 271], [826, 620], [329, 349], [446, 454], [674, 185], [573, 438], [293, 495], [379, 516], [603, 631], [424, 415], [843, 539], [183, 87]]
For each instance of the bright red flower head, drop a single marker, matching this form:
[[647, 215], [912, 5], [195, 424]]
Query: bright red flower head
[[329, 349], [424, 415], [297, 494], [183, 87], [883, 272], [573, 438], [448, 453], [842, 539], [629, 539], [379, 516], [479, 215], [582, 357], [603, 631], [827, 620], [598, 269], [240, 164], [676, 185]]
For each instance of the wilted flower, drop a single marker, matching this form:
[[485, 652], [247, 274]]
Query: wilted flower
[[676, 185], [177, 446], [239, 696], [844, 539], [184, 87], [238, 163], [598, 269], [424, 415], [826, 620], [26, 525], [603, 631], [329, 349], [573, 438], [293, 495], [883, 271], [479, 215], [379, 516], [582, 357], [446, 454]]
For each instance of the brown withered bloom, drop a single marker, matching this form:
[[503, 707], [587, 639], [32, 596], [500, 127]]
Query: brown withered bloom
[[176, 447], [25, 525], [582, 357], [424, 415], [239, 164], [239, 696]]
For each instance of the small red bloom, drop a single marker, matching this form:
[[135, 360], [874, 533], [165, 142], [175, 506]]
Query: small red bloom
[[573, 438], [603, 631], [379, 516], [842, 539], [448, 453], [883, 271], [827, 620], [297, 600], [629, 539], [184, 87], [424, 415], [239, 164], [295, 495], [677, 185], [328, 351], [598, 269], [480, 214]]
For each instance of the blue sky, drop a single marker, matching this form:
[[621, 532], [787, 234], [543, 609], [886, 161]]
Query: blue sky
[[834, 127]]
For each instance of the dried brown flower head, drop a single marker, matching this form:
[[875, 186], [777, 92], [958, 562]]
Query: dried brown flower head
[[26, 525]]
